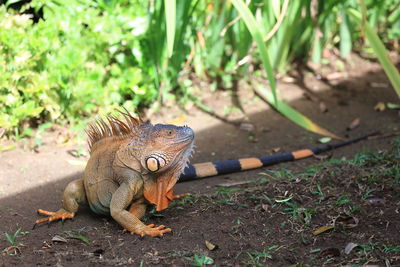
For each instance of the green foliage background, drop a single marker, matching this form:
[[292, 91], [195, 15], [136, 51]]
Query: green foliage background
[[82, 57]]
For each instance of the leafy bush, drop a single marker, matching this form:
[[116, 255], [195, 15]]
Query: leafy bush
[[82, 57]]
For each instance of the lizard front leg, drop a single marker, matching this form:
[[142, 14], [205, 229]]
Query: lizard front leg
[[130, 220], [74, 195]]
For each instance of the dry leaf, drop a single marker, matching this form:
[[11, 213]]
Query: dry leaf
[[349, 247], [354, 124], [58, 238], [265, 207], [288, 79], [346, 222], [178, 121], [335, 75], [322, 107], [323, 229], [276, 149], [247, 127], [210, 245], [380, 106]]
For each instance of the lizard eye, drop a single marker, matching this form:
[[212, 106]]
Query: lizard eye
[[170, 132], [155, 163]]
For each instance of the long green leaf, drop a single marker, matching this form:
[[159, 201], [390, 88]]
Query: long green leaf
[[170, 18], [271, 98], [293, 114], [254, 30], [379, 50], [345, 35]]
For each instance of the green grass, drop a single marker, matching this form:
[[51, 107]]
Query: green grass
[[14, 243], [200, 260]]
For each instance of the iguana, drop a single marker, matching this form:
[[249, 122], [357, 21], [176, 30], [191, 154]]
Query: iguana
[[134, 163], [131, 164]]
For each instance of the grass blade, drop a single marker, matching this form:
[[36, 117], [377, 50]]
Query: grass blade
[[379, 50], [170, 19]]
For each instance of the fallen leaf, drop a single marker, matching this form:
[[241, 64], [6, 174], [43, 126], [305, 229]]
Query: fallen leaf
[[62, 138], [210, 245], [349, 247], [346, 222], [46, 245], [288, 79], [323, 229], [325, 140], [335, 75], [276, 149], [230, 184], [7, 148], [76, 162], [265, 207], [393, 105], [58, 238], [178, 121], [247, 127], [322, 107], [354, 124], [380, 106], [335, 252]]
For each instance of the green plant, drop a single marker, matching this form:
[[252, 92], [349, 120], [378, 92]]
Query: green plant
[[342, 200], [200, 260], [259, 258], [87, 57], [77, 234], [12, 239], [15, 245], [226, 192]]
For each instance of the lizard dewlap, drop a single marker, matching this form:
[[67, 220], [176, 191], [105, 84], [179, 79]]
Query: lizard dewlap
[[131, 164]]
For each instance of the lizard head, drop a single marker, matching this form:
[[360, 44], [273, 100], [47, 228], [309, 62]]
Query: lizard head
[[168, 147]]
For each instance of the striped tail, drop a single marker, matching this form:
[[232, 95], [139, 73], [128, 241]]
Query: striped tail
[[207, 169]]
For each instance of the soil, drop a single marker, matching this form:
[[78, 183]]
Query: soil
[[262, 217]]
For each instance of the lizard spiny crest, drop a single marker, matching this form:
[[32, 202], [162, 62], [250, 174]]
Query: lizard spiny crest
[[112, 127]]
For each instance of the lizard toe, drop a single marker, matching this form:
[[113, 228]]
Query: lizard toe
[[54, 216]]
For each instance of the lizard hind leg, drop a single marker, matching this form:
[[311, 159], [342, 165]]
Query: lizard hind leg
[[74, 195]]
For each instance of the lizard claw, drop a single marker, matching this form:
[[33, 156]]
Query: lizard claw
[[150, 230], [53, 216]]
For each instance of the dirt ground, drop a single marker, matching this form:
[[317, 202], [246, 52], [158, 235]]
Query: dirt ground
[[270, 216]]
